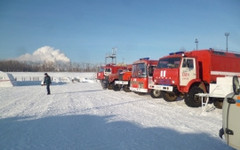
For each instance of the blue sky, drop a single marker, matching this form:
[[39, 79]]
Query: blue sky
[[85, 30]]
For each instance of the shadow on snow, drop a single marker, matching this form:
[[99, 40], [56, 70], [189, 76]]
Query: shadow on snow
[[81, 91], [33, 83], [90, 132]]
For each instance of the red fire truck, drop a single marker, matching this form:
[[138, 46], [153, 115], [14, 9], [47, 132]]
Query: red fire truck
[[142, 71], [111, 72], [124, 78], [189, 73]]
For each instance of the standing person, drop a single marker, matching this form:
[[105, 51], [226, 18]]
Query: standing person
[[47, 81]]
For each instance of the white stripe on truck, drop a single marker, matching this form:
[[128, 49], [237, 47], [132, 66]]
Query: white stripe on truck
[[225, 73]]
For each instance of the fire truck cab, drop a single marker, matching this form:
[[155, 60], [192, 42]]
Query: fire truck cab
[[189, 73], [142, 72], [111, 72]]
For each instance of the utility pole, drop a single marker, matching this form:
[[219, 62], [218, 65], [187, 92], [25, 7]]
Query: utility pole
[[196, 41], [227, 34]]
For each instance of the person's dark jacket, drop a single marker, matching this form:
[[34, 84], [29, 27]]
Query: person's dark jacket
[[47, 80]]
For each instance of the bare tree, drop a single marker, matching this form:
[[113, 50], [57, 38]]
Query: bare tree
[[17, 66]]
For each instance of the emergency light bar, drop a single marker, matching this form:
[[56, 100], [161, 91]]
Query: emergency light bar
[[145, 58], [180, 52], [177, 53]]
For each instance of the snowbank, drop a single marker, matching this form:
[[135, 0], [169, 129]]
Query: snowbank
[[6, 80], [58, 78]]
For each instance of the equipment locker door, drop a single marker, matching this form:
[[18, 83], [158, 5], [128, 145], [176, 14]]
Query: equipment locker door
[[187, 71], [232, 124]]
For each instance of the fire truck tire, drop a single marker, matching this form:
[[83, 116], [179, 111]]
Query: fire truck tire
[[126, 88], [191, 100], [110, 86], [169, 96], [116, 88], [155, 93]]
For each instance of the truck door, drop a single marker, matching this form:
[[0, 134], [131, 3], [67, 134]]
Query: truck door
[[150, 76], [187, 71], [232, 121]]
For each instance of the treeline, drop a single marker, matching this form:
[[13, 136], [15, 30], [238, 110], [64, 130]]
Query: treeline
[[18, 66]]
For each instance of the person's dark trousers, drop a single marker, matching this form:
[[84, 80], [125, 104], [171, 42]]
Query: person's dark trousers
[[48, 89]]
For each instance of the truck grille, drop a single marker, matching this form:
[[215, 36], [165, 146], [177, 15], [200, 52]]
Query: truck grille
[[164, 81], [120, 77]]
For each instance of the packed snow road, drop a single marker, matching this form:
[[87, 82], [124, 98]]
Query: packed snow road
[[82, 116]]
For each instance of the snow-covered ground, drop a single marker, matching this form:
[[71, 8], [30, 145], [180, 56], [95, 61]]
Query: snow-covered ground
[[83, 116]]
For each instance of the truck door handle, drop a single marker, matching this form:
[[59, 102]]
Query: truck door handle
[[231, 101], [228, 131]]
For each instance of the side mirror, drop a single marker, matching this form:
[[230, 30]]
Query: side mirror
[[236, 86]]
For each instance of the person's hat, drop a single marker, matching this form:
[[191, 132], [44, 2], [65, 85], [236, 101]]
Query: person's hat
[[45, 73]]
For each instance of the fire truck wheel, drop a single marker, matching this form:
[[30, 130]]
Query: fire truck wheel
[[126, 88], [155, 93], [191, 100], [169, 96], [116, 88], [110, 86]]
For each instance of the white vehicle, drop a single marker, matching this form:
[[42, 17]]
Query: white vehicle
[[231, 116]]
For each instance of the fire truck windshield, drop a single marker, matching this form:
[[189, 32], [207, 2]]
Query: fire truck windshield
[[173, 62], [120, 71], [107, 70], [139, 70]]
